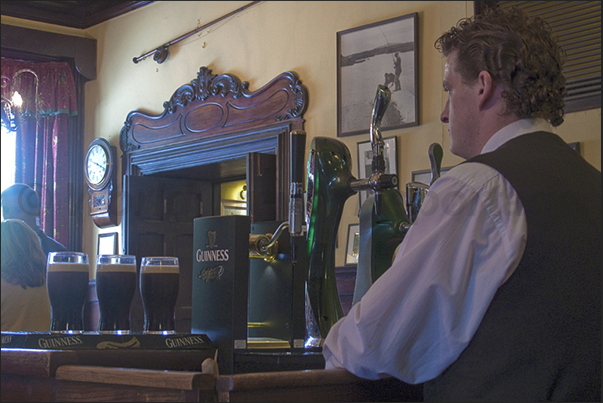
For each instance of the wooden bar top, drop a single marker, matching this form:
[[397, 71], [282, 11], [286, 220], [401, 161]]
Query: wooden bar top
[[314, 385], [184, 375], [183, 380], [107, 375]]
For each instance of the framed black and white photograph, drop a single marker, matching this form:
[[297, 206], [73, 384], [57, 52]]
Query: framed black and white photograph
[[107, 244], [384, 53], [351, 252], [365, 161]]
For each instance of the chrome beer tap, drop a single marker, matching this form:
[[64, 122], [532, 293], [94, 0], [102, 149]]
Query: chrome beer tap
[[382, 213], [379, 180], [417, 191]]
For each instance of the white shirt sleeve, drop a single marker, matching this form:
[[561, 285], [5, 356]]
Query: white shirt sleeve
[[418, 317]]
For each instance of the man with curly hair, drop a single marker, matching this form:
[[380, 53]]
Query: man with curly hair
[[495, 292]]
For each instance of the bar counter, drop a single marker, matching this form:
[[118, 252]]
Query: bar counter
[[184, 375]]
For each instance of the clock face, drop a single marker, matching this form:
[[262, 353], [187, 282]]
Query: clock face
[[97, 164]]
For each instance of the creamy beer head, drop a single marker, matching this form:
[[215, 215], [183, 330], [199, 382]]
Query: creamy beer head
[[159, 264], [120, 263], [67, 261]]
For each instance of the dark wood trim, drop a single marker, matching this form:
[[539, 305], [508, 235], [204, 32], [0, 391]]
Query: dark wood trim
[[74, 14], [215, 106]]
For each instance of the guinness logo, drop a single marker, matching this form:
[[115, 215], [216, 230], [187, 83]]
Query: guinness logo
[[211, 239]]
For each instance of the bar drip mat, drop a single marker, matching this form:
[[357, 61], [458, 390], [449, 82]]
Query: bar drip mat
[[94, 340]]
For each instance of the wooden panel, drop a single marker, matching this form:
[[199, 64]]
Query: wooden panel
[[35, 362], [18, 388], [160, 223], [186, 380], [313, 386], [216, 105]]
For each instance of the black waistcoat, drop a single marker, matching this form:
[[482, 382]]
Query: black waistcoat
[[540, 338]]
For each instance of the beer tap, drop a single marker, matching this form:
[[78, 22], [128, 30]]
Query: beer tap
[[379, 180], [296, 195], [416, 191], [265, 246], [379, 225]]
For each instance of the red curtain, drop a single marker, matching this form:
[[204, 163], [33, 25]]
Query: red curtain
[[42, 136]]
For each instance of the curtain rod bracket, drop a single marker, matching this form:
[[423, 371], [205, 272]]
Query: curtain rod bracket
[[161, 54]]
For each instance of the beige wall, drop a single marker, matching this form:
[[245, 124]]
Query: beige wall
[[259, 44]]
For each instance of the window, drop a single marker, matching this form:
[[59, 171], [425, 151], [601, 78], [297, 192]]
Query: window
[[577, 24], [8, 158]]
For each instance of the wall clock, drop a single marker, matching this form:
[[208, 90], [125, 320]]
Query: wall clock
[[100, 174]]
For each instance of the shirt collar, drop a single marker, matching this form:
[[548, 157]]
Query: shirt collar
[[513, 130]]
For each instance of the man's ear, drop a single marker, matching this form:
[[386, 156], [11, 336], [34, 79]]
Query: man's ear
[[486, 89]]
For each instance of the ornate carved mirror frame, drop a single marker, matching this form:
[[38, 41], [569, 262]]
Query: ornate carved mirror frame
[[216, 118]]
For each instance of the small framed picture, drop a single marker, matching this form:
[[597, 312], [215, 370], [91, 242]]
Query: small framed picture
[[351, 252], [424, 175], [365, 161], [107, 244], [384, 53]]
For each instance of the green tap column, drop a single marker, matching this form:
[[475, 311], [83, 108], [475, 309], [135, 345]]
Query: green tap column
[[329, 175], [386, 235]]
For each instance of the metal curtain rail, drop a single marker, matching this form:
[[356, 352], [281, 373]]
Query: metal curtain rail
[[161, 53]]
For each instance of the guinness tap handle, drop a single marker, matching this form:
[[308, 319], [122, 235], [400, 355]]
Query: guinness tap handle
[[298, 150], [296, 200], [382, 98], [435, 158]]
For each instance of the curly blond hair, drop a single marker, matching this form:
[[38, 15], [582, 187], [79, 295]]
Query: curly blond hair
[[23, 260], [519, 52]]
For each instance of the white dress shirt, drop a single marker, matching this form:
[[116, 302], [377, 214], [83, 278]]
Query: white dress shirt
[[418, 317]]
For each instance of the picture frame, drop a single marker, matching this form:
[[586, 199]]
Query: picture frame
[[365, 161], [424, 175], [352, 245], [384, 52], [107, 244]]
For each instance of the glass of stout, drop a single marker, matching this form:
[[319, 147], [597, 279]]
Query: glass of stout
[[159, 282], [115, 287], [67, 277]]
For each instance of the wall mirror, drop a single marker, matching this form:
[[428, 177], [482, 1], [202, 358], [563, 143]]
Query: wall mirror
[[212, 131]]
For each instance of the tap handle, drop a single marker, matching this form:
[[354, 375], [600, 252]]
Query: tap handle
[[382, 98], [296, 195], [435, 158], [298, 150]]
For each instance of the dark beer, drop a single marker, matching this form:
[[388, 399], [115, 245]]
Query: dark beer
[[159, 282], [67, 282], [115, 287]]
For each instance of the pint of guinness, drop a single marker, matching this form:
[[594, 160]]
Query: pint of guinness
[[159, 282], [67, 281], [115, 287]]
